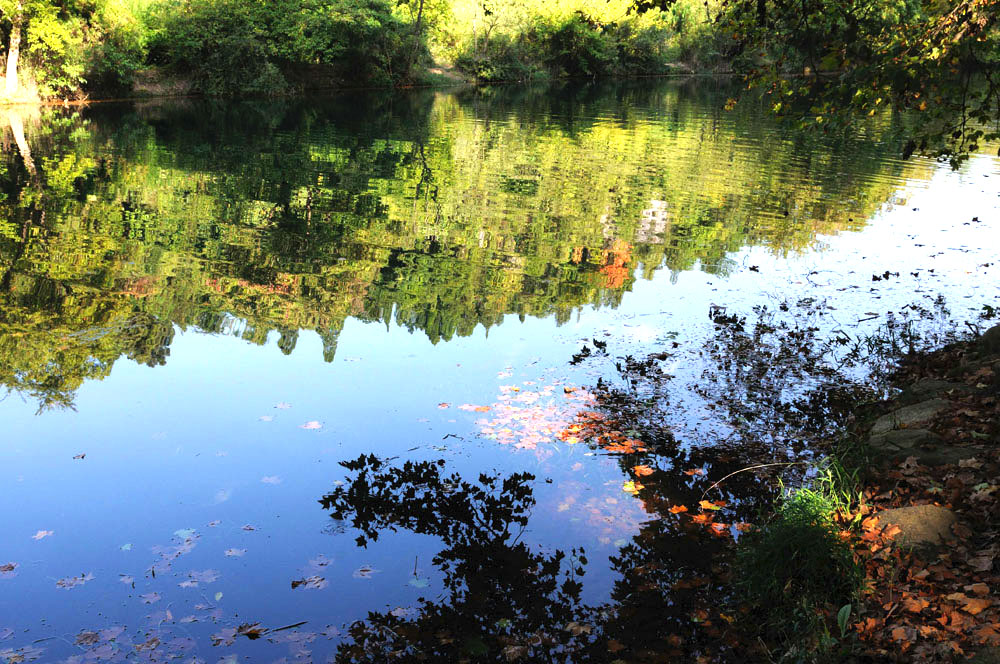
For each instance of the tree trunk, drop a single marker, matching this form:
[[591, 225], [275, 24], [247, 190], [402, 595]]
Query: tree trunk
[[420, 16], [17, 129], [417, 30], [14, 50]]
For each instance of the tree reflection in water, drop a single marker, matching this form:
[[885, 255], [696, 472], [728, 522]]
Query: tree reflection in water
[[505, 600], [508, 601]]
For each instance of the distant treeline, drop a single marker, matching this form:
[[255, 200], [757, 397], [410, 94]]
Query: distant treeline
[[64, 49]]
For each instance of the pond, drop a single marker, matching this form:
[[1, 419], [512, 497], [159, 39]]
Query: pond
[[317, 379]]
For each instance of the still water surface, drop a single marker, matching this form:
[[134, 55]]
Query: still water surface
[[205, 308]]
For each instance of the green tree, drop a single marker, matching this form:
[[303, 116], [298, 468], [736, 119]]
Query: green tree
[[856, 58]]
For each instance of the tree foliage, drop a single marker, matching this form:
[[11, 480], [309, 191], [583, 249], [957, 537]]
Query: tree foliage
[[936, 59]]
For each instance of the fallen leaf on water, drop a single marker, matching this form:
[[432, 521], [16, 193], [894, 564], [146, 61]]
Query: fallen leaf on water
[[706, 505], [642, 471], [311, 425], [365, 572], [271, 479], [677, 509], [235, 553], [42, 533], [251, 630], [7, 569], [206, 576], [185, 533], [632, 487], [126, 579], [248, 528], [418, 582], [224, 637], [310, 583], [112, 632], [150, 598], [79, 456], [188, 584], [218, 596], [694, 471], [444, 405], [213, 524], [151, 644], [126, 547], [74, 581]]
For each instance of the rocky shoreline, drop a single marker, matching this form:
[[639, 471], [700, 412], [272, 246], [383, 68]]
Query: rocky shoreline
[[931, 517]]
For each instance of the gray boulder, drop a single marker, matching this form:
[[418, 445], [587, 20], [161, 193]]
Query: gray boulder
[[921, 525], [928, 388], [910, 416], [990, 341], [926, 446]]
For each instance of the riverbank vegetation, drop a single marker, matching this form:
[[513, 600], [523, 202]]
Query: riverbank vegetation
[[62, 50], [821, 67]]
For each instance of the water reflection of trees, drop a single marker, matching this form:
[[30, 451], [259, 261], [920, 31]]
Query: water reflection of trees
[[440, 213], [507, 601], [672, 599]]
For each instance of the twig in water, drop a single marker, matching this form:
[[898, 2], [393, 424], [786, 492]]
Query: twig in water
[[742, 470]]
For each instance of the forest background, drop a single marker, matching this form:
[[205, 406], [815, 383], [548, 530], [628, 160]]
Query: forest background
[[72, 49], [821, 63]]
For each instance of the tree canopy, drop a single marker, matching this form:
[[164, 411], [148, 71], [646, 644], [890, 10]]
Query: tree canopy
[[829, 63]]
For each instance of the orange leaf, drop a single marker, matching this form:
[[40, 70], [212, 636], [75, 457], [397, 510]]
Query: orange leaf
[[976, 605], [677, 509], [642, 471], [891, 531], [978, 589], [694, 471]]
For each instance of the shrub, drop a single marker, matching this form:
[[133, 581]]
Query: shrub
[[234, 46], [796, 572]]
